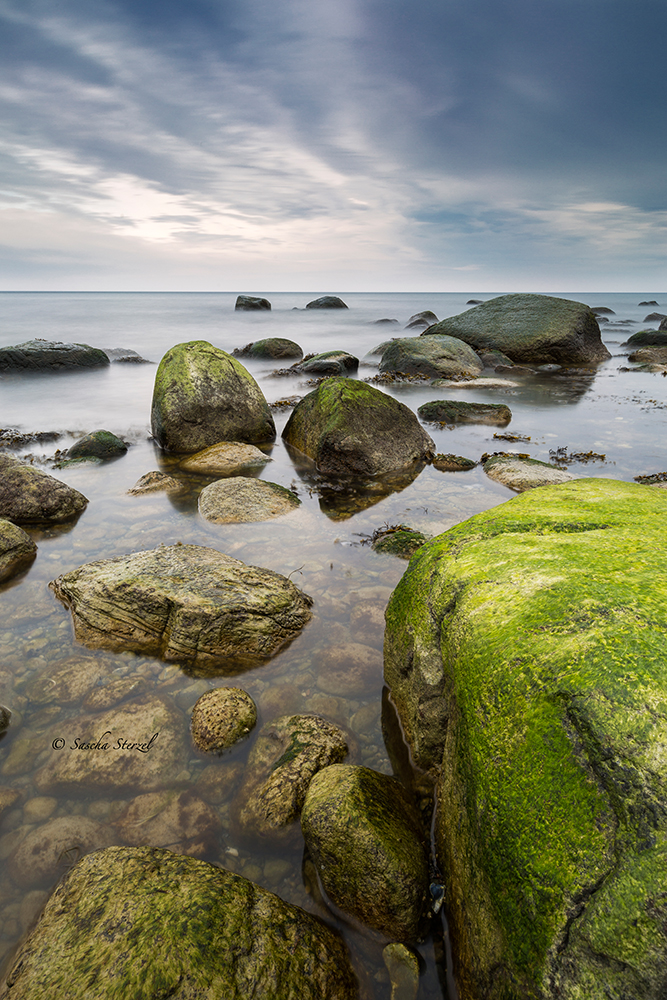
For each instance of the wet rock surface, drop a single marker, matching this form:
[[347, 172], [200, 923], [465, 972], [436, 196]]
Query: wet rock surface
[[524, 473], [239, 500], [30, 496], [186, 603], [222, 717], [48, 851], [50, 356], [17, 550], [451, 411]]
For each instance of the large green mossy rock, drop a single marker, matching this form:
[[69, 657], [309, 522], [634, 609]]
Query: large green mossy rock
[[143, 923], [538, 329], [203, 395], [349, 428], [525, 652]]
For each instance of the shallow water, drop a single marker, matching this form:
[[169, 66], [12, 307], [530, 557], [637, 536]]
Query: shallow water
[[322, 546]]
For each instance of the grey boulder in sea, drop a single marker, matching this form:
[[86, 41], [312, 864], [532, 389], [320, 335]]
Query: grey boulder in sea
[[142, 923], [435, 357], [251, 303], [50, 356], [203, 395], [452, 411], [349, 428], [327, 302], [269, 349], [533, 329], [30, 496], [184, 603]]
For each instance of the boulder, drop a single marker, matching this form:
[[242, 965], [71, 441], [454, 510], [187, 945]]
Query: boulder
[[50, 356], [452, 463], [649, 302], [435, 356], [221, 717], [654, 317], [123, 355], [203, 395], [398, 540], [524, 473], [98, 444], [367, 844], [176, 820], [142, 922], [156, 482], [648, 338], [133, 748], [17, 550], [326, 302], [225, 458], [524, 652], [451, 411], [269, 349], [184, 603], [46, 852], [285, 756], [251, 303], [329, 363], [349, 428], [239, 500], [30, 496], [602, 311], [535, 329], [423, 319]]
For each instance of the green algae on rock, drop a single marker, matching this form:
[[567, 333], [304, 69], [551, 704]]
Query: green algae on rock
[[349, 428], [269, 349], [203, 395], [142, 923], [98, 444], [524, 651], [185, 603], [398, 540], [539, 329], [367, 845], [453, 411]]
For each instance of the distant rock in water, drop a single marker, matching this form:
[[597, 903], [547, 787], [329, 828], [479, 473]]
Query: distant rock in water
[[474, 302], [521, 474], [424, 319], [602, 311], [533, 329], [650, 302], [654, 318], [224, 458], [380, 322], [30, 496], [156, 482], [251, 303], [326, 302], [649, 338], [51, 356], [123, 355], [268, 349]]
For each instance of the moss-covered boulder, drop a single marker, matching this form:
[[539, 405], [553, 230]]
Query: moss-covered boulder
[[51, 356], [203, 395], [269, 349], [521, 473], [448, 462], [98, 444], [398, 540], [436, 357], [142, 922], [534, 329], [30, 496], [452, 411], [524, 651], [239, 500], [184, 603], [367, 845], [17, 550], [349, 428], [648, 338]]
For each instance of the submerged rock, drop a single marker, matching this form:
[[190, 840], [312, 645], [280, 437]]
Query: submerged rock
[[251, 303], [203, 395], [281, 765], [524, 473], [239, 500], [368, 847], [524, 652], [17, 550], [451, 411], [349, 428], [184, 603], [47, 851], [403, 967], [424, 318], [98, 444], [49, 356], [326, 302], [30, 496], [436, 356], [174, 927], [224, 458], [269, 349], [222, 717], [534, 329], [177, 820], [349, 669]]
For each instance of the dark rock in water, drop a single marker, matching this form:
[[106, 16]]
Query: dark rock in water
[[251, 303], [424, 318], [474, 302], [378, 322], [326, 302], [184, 603], [453, 463], [269, 348], [538, 329], [368, 847], [203, 395], [402, 965], [654, 318], [221, 717], [17, 551], [12, 437], [522, 655], [286, 755], [398, 540], [30, 496], [348, 428], [123, 355], [650, 302], [39, 857], [329, 363], [437, 357], [50, 356], [98, 444], [648, 338], [602, 311], [174, 927], [451, 411]]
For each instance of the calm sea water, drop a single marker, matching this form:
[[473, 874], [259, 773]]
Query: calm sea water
[[615, 414]]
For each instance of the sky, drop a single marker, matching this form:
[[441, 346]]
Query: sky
[[333, 145]]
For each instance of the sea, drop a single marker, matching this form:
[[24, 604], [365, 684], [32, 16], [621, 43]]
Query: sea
[[607, 422]]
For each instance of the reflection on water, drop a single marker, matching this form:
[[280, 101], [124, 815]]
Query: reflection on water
[[51, 684]]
